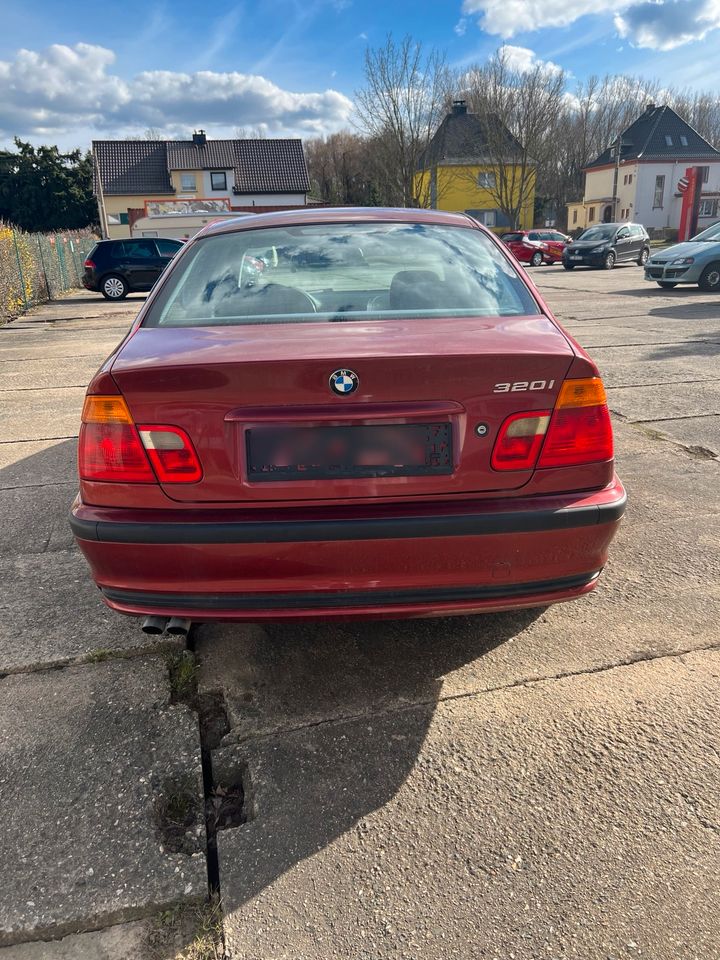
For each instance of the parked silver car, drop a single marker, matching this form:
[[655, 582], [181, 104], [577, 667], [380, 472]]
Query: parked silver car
[[695, 261]]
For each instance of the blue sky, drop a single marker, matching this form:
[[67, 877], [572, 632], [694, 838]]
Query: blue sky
[[70, 72]]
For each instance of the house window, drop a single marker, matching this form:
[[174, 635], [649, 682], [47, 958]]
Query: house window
[[218, 180], [708, 208], [574, 216], [625, 180], [591, 214], [487, 217], [659, 191], [124, 218], [668, 140], [486, 181], [683, 141], [704, 174], [187, 182], [629, 179]]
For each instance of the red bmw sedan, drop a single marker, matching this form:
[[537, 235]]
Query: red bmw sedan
[[386, 421]]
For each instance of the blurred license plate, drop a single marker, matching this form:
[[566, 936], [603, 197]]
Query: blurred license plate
[[329, 453]]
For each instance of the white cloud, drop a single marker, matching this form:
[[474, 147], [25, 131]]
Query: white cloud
[[524, 60], [461, 26], [58, 91], [656, 24], [660, 25], [508, 17]]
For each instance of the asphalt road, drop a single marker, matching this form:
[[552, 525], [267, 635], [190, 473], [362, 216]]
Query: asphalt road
[[542, 784]]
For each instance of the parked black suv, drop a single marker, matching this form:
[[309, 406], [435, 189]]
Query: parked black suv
[[606, 244], [116, 268]]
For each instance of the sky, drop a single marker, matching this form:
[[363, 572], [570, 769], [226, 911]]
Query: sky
[[72, 72]]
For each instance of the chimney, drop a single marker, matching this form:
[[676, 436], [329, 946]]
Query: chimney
[[459, 107], [199, 138], [649, 108]]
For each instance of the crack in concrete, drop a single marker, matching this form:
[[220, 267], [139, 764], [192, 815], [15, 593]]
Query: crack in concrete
[[695, 416], [500, 688], [662, 383], [76, 356], [32, 486], [66, 386], [40, 439]]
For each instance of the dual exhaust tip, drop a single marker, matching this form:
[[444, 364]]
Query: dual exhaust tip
[[175, 626]]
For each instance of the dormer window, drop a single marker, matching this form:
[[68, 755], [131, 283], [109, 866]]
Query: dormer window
[[683, 141], [668, 140]]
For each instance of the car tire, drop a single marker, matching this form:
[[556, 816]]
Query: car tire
[[609, 261], [643, 258], [710, 278], [568, 266], [114, 287], [666, 284], [536, 259]]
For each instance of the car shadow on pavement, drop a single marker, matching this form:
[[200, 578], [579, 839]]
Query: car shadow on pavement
[[326, 723]]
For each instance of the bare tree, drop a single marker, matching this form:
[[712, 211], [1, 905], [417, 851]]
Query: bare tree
[[151, 133], [250, 133], [400, 107], [518, 110]]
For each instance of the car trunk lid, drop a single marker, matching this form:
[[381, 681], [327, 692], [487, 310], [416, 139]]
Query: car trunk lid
[[421, 420]]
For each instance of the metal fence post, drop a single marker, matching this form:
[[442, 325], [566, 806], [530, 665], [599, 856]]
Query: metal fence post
[[61, 261], [20, 270], [48, 292]]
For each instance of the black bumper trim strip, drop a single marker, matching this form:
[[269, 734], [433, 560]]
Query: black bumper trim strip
[[310, 531], [325, 601]]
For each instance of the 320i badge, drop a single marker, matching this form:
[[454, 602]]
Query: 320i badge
[[340, 436]]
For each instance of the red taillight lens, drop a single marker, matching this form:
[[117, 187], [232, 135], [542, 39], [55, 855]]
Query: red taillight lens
[[89, 264], [577, 431], [112, 451], [171, 453], [519, 441], [578, 435]]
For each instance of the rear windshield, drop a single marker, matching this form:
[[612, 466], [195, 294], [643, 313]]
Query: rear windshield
[[339, 272], [512, 237]]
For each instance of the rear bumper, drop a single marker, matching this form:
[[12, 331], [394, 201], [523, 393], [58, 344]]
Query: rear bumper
[[422, 561]]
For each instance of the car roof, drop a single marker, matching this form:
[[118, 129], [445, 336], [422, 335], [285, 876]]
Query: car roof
[[123, 239], [308, 215]]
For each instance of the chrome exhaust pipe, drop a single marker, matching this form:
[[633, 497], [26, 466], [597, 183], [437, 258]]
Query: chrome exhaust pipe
[[178, 627], [154, 625]]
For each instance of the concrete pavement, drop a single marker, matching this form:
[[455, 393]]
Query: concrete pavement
[[538, 784]]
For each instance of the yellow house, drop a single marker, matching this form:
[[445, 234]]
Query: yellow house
[[464, 170]]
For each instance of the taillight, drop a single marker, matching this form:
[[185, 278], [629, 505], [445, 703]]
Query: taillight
[[89, 264], [519, 441], [109, 447], [171, 453], [577, 431], [112, 449], [580, 430]]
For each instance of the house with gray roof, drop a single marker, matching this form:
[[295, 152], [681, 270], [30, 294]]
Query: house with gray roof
[[138, 178], [637, 177]]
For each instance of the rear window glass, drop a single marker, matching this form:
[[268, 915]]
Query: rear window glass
[[512, 237], [340, 272]]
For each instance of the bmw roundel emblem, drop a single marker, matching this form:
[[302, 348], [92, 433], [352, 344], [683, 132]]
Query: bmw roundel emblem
[[344, 382]]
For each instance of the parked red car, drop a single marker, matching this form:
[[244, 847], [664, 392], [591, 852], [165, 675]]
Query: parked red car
[[536, 246], [344, 436]]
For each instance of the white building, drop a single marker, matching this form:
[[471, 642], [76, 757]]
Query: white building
[[637, 178]]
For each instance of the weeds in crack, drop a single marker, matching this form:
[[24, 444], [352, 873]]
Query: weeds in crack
[[183, 675], [193, 932]]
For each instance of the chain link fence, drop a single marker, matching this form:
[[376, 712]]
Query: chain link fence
[[37, 267]]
